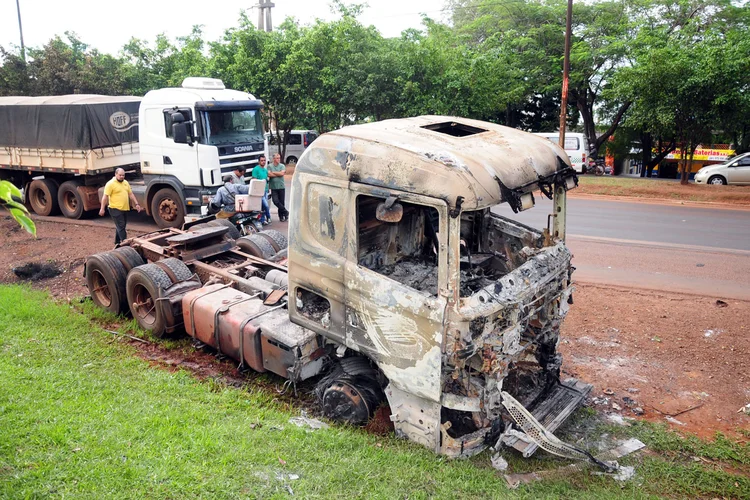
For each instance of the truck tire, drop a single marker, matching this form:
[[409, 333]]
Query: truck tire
[[106, 277], [278, 239], [233, 232], [291, 159], [43, 197], [178, 271], [257, 246], [143, 290], [167, 209], [70, 201], [129, 257]]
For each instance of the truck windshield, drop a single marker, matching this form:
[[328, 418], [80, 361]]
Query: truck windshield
[[231, 127]]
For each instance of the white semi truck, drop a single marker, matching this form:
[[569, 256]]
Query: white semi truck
[[174, 144]]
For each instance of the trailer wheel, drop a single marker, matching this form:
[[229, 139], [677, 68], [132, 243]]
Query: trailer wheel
[[105, 278], [43, 197], [233, 232], [277, 238], [167, 208], [143, 291], [257, 246], [70, 201], [129, 257]]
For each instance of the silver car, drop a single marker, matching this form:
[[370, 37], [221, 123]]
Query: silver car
[[736, 170]]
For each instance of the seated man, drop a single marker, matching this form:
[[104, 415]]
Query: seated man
[[224, 198]]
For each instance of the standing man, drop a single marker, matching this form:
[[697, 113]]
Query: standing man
[[276, 173], [261, 172], [118, 196]]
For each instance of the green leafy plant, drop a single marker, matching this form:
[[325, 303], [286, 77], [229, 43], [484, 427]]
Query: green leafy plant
[[16, 209]]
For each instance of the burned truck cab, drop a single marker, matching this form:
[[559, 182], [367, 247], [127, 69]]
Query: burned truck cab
[[422, 292]]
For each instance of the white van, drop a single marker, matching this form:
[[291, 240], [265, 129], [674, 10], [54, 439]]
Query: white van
[[575, 146], [296, 143]]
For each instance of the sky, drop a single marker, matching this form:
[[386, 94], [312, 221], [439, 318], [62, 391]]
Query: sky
[[108, 25]]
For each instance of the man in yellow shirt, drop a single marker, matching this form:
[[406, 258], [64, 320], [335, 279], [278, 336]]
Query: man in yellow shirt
[[118, 195]]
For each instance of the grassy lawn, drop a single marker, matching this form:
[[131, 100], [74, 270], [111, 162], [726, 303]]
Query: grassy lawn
[[82, 416], [662, 189]]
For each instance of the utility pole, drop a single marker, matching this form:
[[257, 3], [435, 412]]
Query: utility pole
[[559, 200], [566, 72], [20, 30], [264, 15]]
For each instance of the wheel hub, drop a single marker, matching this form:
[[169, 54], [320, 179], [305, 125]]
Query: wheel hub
[[344, 403], [168, 210]]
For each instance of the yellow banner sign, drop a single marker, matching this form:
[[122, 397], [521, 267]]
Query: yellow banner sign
[[704, 154]]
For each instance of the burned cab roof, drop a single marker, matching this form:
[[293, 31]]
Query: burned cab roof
[[439, 156]]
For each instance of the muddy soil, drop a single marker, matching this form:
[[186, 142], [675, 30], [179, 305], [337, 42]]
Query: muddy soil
[[664, 352]]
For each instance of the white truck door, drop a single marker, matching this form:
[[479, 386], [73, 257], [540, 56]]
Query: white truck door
[[152, 136], [180, 160]]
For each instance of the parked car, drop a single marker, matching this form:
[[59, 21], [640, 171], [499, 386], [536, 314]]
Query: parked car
[[296, 143], [736, 170]]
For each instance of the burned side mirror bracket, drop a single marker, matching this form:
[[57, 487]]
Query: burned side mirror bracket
[[456, 211]]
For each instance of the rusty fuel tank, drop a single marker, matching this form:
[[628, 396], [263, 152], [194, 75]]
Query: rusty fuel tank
[[242, 327]]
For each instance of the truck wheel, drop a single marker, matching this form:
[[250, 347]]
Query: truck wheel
[[129, 257], [105, 278], [143, 291], [167, 209], [178, 271], [350, 393], [277, 238], [43, 197], [70, 201], [257, 246], [233, 231]]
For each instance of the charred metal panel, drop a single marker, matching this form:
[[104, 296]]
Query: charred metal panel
[[405, 155]]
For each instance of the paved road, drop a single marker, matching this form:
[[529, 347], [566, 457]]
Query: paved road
[[655, 223], [660, 247]]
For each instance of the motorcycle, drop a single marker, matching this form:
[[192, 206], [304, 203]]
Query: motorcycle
[[597, 168]]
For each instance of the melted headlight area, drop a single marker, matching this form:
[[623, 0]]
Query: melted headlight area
[[515, 288]]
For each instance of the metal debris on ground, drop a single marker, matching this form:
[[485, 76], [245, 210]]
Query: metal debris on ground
[[499, 463], [618, 419], [673, 420], [126, 335], [305, 421], [626, 448]]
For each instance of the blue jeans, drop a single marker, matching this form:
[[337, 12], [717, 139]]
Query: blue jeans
[[265, 209]]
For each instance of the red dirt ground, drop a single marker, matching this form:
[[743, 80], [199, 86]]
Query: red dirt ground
[[666, 352]]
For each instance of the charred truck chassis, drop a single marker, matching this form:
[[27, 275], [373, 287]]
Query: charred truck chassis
[[402, 284]]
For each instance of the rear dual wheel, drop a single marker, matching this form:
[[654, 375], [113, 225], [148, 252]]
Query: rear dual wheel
[[43, 197], [70, 201], [145, 285], [264, 244], [106, 276]]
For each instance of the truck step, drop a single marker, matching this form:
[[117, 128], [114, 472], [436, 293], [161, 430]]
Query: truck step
[[559, 404]]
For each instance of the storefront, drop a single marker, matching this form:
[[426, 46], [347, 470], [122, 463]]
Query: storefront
[[669, 168]]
